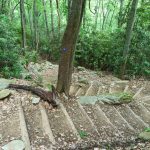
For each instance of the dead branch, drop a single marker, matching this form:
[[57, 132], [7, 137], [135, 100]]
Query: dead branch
[[49, 96]]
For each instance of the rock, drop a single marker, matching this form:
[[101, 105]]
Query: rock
[[144, 135], [48, 65], [88, 99], [4, 83], [4, 93], [14, 145], [80, 68], [82, 80], [35, 100]]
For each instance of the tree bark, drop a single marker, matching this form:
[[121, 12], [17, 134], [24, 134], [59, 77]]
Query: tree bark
[[68, 46], [30, 20], [58, 14], [35, 25], [97, 13], [49, 96], [130, 24], [46, 22], [23, 23], [120, 13], [52, 20]]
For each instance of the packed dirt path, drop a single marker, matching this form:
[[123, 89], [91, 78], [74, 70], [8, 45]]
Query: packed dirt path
[[75, 125]]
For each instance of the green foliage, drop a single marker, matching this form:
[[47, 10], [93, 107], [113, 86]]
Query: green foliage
[[9, 54], [147, 129], [83, 134], [97, 48], [30, 56], [104, 50]]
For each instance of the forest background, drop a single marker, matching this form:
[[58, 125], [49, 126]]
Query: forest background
[[33, 29]]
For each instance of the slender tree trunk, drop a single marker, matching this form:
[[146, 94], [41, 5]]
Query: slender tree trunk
[[120, 13], [23, 23], [52, 20], [104, 14], [69, 7], [46, 22], [130, 24], [31, 25], [97, 13], [58, 14], [68, 46], [112, 16], [35, 25]]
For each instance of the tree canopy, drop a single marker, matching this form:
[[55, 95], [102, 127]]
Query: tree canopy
[[114, 35]]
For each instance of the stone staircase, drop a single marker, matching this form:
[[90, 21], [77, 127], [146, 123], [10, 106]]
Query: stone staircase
[[74, 125]]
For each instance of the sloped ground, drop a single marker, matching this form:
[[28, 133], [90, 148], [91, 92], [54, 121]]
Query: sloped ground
[[74, 125]]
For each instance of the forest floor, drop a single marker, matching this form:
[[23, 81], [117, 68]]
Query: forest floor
[[78, 122]]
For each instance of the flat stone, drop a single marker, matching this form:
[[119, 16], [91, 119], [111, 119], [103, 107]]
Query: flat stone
[[35, 100], [83, 80], [4, 83], [4, 93], [14, 145], [88, 99], [107, 98], [81, 68]]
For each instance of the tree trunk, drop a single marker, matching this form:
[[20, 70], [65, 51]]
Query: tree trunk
[[23, 26], [30, 19], [46, 22], [129, 29], [58, 14], [97, 13], [120, 13], [52, 20], [68, 46], [35, 25]]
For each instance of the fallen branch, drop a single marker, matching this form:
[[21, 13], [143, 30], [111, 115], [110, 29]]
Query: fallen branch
[[49, 96]]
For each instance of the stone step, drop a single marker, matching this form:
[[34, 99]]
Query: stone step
[[45, 124], [103, 89], [61, 126], [24, 130], [81, 91], [33, 119], [117, 86], [80, 119], [135, 88], [9, 122], [117, 120], [106, 129], [73, 89], [138, 93], [135, 121], [141, 111], [146, 102], [92, 90]]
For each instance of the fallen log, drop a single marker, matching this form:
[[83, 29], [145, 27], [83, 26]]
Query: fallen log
[[49, 96]]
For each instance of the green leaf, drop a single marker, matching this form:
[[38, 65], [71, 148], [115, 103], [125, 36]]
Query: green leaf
[[83, 134], [49, 86]]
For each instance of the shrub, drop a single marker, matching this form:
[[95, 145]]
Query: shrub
[[9, 54], [104, 50]]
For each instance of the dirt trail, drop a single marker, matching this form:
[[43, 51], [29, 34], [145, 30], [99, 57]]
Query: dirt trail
[[73, 125]]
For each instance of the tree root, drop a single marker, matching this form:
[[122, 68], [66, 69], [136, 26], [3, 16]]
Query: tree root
[[49, 96]]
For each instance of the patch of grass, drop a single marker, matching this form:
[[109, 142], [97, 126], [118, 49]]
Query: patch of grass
[[147, 129], [125, 97], [82, 134]]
